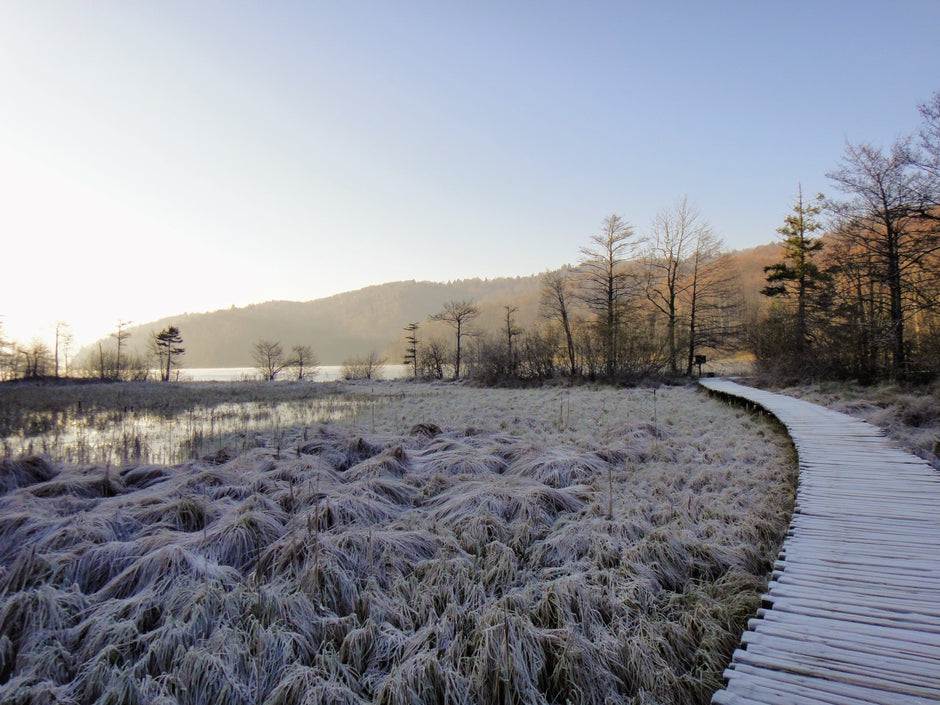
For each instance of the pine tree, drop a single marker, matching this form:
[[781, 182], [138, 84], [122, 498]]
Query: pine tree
[[411, 352], [798, 276], [166, 346]]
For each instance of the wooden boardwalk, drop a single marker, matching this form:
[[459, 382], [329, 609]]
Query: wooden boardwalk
[[852, 613]]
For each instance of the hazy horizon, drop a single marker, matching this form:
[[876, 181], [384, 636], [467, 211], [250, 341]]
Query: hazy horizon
[[166, 158]]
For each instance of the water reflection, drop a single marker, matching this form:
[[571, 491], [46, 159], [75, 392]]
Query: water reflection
[[125, 436]]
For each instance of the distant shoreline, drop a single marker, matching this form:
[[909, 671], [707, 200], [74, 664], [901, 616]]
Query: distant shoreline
[[325, 373]]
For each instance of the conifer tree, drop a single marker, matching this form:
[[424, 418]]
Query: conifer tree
[[798, 276], [166, 345], [411, 352]]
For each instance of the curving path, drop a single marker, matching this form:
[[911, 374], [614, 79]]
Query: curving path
[[852, 612]]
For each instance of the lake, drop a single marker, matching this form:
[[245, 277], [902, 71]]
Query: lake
[[325, 373]]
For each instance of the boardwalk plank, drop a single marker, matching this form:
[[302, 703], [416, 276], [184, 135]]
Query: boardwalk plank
[[852, 612], [864, 641], [824, 691], [855, 674], [848, 657]]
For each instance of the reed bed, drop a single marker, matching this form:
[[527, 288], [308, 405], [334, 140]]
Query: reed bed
[[453, 545]]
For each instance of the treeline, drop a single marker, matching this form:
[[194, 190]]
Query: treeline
[[635, 306], [855, 294], [861, 301], [108, 361]]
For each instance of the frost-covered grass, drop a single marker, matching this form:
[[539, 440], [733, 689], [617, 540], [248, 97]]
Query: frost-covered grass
[[909, 415], [451, 545]]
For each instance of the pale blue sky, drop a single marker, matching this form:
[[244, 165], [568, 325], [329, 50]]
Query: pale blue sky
[[161, 157]]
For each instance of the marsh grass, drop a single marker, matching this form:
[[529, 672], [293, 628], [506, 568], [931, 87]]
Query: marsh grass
[[510, 555]]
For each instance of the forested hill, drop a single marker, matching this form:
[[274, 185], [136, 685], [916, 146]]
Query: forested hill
[[358, 322], [340, 326]]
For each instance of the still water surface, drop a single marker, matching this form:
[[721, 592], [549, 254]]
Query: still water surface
[[115, 437], [325, 373]]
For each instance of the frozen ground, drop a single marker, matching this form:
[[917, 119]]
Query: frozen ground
[[451, 545]]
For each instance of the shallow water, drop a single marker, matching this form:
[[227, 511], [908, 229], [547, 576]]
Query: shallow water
[[118, 437], [324, 373]]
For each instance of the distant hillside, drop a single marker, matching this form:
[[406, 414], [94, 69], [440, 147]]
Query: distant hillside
[[373, 318], [750, 265], [337, 327]]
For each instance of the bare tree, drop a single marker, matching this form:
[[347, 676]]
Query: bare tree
[[304, 361], [433, 359], [929, 158], [555, 305], [366, 367], [668, 257], [606, 285], [102, 362], [269, 359], [8, 361], [712, 299], [63, 344], [885, 217], [121, 334], [37, 357], [537, 357], [512, 330], [458, 315]]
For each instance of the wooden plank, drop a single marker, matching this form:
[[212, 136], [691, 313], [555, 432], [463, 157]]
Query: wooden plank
[[884, 604], [911, 669], [856, 674], [852, 613], [817, 567], [862, 641], [877, 587], [829, 623], [823, 690], [882, 617]]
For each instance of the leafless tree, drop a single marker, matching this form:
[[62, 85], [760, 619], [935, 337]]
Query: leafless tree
[[304, 362], [103, 362], [556, 306], [121, 334], [886, 217], [269, 359], [606, 285], [8, 360], [458, 315], [929, 157], [537, 357], [712, 299], [365, 367], [433, 359], [668, 258], [63, 344], [511, 330], [37, 357]]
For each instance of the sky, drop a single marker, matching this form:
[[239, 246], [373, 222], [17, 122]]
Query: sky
[[181, 156]]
